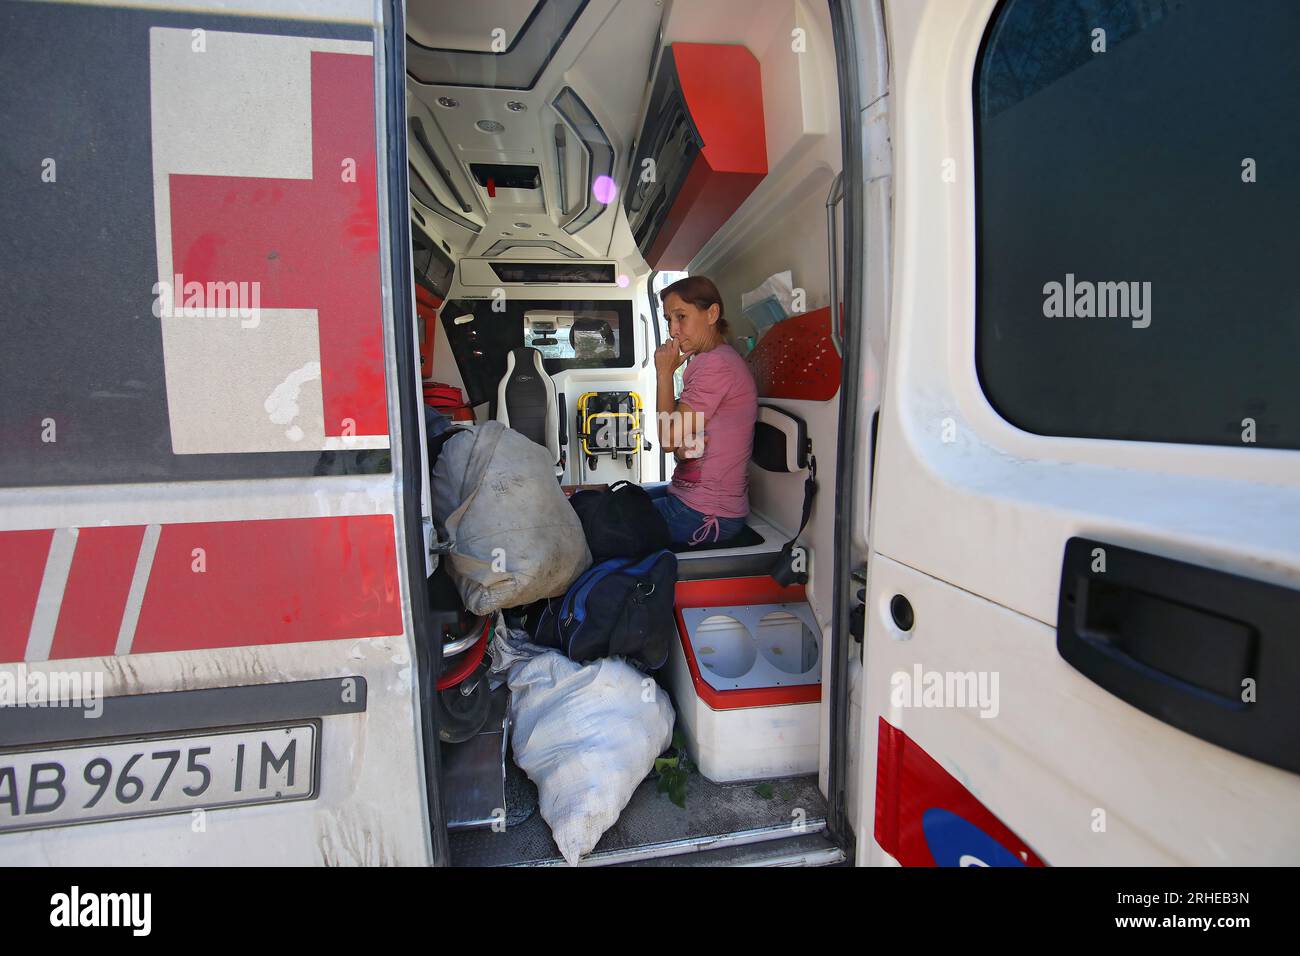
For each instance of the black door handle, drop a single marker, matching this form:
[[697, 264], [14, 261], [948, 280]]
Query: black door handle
[[1214, 654]]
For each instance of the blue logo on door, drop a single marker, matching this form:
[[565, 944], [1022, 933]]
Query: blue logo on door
[[954, 841]]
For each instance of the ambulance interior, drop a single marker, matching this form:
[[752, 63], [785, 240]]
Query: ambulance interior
[[567, 159]]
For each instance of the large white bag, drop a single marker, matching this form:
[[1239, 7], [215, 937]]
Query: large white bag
[[514, 536], [587, 735]]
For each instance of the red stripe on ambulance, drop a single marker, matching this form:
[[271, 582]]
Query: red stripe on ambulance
[[22, 566], [230, 584], [210, 584], [95, 596]]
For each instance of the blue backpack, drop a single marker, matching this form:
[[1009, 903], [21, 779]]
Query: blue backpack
[[620, 607]]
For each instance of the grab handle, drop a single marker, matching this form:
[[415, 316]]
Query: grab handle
[[832, 243], [645, 325]]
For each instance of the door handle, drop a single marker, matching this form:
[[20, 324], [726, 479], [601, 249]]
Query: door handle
[[832, 243], [649, 349], [1211, 653]]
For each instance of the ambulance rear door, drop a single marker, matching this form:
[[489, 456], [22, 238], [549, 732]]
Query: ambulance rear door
[[1084, 574], [204, 490]]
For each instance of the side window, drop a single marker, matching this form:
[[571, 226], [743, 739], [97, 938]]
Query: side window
[[589, 337], [1136, 209]]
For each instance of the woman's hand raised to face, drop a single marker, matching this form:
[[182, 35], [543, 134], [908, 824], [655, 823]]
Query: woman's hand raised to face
[[669, 357]]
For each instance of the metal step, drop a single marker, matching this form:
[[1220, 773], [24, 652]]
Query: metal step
[[651, 827], [811, 849]]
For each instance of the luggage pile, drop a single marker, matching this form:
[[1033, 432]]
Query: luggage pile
[[592, 580], [623, 605], [513, 538]]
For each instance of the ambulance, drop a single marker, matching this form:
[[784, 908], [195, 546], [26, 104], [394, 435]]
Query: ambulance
[[1016, 282]]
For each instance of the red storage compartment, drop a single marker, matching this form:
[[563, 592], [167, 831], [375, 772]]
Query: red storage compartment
[[704, 132], [426, 309]]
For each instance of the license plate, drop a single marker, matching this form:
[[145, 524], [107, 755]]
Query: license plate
[[156, 775]]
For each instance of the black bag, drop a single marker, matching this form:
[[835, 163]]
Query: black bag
[[620, 522], [619, 607]]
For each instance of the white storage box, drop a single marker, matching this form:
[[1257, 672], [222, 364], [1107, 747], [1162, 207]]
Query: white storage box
[[745, 674]]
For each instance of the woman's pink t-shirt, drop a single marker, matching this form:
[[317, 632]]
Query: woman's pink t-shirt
[[718, 385]]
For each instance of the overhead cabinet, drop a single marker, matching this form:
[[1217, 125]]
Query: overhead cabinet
[[700, 153]]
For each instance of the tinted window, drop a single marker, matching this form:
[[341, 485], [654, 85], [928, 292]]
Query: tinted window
[[569, 334], [1137, 213], [590, 336]]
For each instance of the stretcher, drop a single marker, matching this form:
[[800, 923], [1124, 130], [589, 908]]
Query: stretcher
[[611, 424]]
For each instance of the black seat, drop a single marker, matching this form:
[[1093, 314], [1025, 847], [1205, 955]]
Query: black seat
[[747, 537], [528, 402]]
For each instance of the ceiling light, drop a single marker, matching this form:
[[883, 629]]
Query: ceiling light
[[521, 225], [490, 126], [515, 106], [448, 102], [604, 189]]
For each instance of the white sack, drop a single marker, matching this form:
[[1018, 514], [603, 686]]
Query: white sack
[[586, 737], [495, 489]]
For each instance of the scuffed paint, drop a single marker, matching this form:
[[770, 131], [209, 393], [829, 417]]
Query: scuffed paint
[[282, 404], [354, 837]]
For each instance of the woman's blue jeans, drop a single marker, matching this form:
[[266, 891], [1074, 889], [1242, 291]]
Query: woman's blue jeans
[[688, 526]]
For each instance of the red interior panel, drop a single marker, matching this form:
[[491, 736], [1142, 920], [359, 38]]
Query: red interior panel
[[426, 307], [797, 359]]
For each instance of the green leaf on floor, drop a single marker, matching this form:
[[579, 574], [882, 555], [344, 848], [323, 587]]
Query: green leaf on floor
[[674, 770], [674, 775], [677, 789], [764, 790]]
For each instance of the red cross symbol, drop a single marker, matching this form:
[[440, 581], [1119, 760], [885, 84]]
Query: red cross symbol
[[311, 243]]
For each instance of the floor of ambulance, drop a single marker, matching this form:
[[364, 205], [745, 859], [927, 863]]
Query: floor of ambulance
[[740, 819]]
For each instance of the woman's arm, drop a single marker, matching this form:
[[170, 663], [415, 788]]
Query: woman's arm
[[681, 428], [681, 454]]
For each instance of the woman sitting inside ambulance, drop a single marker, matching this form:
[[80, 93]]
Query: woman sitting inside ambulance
[[710, 429]]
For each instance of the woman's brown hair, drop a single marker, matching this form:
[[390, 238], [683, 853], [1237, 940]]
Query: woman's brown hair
[[700, 292]]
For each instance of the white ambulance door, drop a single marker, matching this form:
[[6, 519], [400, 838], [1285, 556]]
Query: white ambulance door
[[1085, 538], [203, 525]]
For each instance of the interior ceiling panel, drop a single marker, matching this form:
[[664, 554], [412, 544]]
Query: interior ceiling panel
[[605, 62], [516, 67], [468, 27]]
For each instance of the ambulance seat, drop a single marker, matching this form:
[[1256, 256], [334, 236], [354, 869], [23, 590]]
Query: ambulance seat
[[748, 554], [781, 446], [528, 402]]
